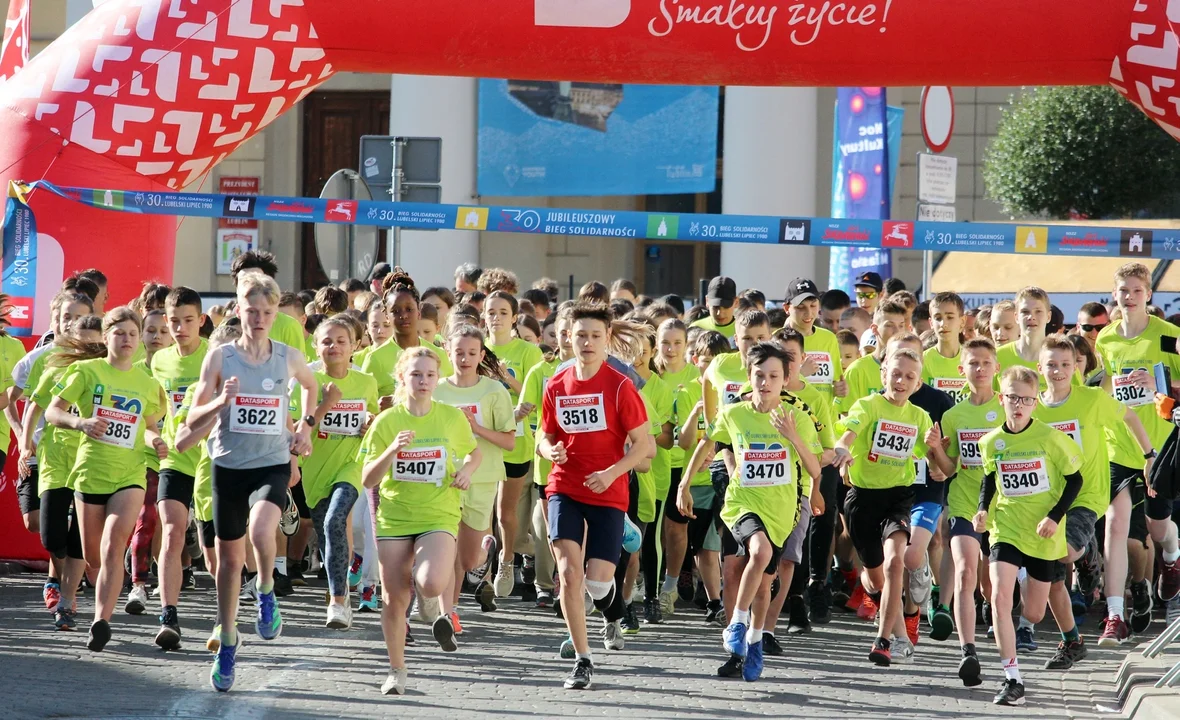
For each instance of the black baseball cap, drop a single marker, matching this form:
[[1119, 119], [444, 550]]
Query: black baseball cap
[[870, 279], [722, 292], [801, 289]]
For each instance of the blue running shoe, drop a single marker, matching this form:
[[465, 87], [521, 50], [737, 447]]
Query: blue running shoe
[[735, 639], [752, 667], [221, 677], [632, 537], [269, 624], [1025, 640], [354, 572]]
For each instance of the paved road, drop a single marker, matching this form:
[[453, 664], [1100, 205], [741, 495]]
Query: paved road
[[506, 668]]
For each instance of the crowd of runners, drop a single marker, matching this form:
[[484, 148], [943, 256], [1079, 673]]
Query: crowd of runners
[[935, 470]]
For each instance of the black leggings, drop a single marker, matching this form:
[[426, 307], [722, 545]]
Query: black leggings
[[651, 556], [816, 562], [59, 524]]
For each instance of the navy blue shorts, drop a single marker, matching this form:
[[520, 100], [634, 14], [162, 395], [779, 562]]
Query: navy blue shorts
[[600, 527]]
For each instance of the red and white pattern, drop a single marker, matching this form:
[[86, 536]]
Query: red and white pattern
[[1147, 71], [169, 88], [14, 54]]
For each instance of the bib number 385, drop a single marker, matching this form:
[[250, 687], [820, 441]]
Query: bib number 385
[[122, 427]]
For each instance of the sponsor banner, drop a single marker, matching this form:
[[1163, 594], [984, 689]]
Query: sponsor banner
[[582, 138], [20, 265]]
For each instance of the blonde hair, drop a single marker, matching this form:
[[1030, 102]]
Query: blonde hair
[[1021, 374], [74, 350], [339, 321], [1033, 292], [1133, 270], [901, 337], [255, 282], [908, 353], [400, 393], [1002, 307], [225, 334]]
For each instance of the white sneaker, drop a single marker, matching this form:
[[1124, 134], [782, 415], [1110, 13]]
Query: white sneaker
[[249, 593], [339, 616], [395, 683], [612, 635], [505, 580], [589, 601], [668, 602], [920, 580], [902, 650], [426, 609], [137, 599]]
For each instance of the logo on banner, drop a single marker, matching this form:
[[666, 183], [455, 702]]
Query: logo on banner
[[897, 234], [1135, 243], [289, 208], [662, 226], [238, 207], [794, 232], [1032, 239], [341, 211], [838, 232], [470, 218], [581, 13]]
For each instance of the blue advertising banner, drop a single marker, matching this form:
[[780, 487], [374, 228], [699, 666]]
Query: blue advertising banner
[[575, 138], [866, 149], [20, 264]]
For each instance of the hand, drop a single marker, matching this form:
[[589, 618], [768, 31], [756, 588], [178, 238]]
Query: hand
[[598, 482], [934, 436], [840, 388], [296, 476], [936, 474], [161, 448], [470, 419], [784, 422], [1046, 528], [332, 394], [403, 439], [301, 441], [523, 410], [1148, 464], [808, 368], [557, 454], [22, 466], [462, 479], [385, 402], [1142, 378], [698, 408], [94, 427], [230, 389], [816, 500], [684, 502], [980, 522], [842, 460]]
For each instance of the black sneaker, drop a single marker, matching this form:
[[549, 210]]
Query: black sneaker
[[528, 570], [631, 619], [582, 675], [295, 573], [169, 635], [100, 635], [770, 645], [969, 668], [188, 579], [820, 601], [409, 637], [1066, 655], [715, 613], [528, 593], [1011, 693], [799, 623], [732, 667], [1141, 606], [282, 583], [651, 612], [486, 595], [685, 587]]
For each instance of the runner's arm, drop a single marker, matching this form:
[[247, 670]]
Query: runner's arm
[[1073, 485], [207, 402]]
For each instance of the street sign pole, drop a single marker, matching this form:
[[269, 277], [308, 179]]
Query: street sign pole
[[394, 249]]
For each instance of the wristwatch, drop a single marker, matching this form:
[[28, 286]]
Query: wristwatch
[[309, 420], [1149, 455]]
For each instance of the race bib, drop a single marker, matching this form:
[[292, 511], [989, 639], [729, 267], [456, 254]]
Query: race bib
[[257, 414], [121, 427], [969, 454], [421, 465], [346, 417], [824, 370], [765, 468], [893, 439], [176, 399], [920, 472], [520, 429], [1019, 478], [1130, 394], [950, 386], [476, 410], [731, 393], [1072, 428], [581, 413]]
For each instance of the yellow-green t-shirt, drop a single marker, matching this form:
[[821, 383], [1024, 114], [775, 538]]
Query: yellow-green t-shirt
[[338, 437], [381, 361], [767, 477], [11, 351], [1030, 469], [519, 356], [726, 376], [823, 349], [124, 398], [942, 373], [1121, 356], [863, 378], [287, 330], [679, 383], [966, 424], [660, 397], [58, 447], [707, 323], [888, 439], [176, 373], [533, 392], [1088, 416], [203, 472], [416, 494], [488, 400], [150, 457], [1007, 356]]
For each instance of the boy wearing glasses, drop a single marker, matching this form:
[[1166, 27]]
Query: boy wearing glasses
[[1092, 318], [868, 291]]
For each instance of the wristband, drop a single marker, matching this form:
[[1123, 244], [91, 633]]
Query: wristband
[[1149, 455]]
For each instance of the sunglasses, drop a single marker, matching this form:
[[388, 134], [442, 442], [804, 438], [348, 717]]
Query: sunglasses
[[1092, 328], [866, 294]]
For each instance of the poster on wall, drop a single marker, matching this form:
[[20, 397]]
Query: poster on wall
[[232, 242], [540, 138]]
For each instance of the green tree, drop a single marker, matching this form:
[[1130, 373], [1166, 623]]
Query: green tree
[[1081, 151]]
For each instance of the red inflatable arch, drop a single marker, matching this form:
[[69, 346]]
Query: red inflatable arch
[[150, 94]]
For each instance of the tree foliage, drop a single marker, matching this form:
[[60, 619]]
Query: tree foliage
[[1081, 152]]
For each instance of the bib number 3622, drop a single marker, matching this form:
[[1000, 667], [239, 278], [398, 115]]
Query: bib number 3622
[[256, 414], [581, 413]]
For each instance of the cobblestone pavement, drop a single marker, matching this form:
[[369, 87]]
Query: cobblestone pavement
[[506, 668]]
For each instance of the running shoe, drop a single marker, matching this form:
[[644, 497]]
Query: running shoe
[[969, 668], [354, 572], [667, 603], [426, 609], [911, 627], [1169, 582], [632, 537], [249, 591], [137, 600], [1025, 639], [734, 639], [1011, 693], [213, 644], [221, 677], [100, 635], [920, 580], [544, 598], [942, 623], [269, 624], [1141, 606], [819, 597], [455, 623], [486, 595], [798, 622], [282, 584], [631, 619], [770, 645], [856, 599], [289, 520], [868, 609], [188, 580], [368, 601], [582, 676], [1066, 655], [64, 618], [480, 573], [566, 651], [409, 636], [732, 667], [339, 616], [652, 613], [879, 654], [752, 664], [505, 580], [528, 567], [1114, 632], [295, 574], [168, 636], [1088, 566], [444, 633], [715, 614], [986, 613], [685, 586], [51, 593], [901, 650], [612, 635], [395, 682]]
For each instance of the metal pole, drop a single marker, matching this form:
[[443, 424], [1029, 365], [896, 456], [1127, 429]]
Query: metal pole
[[394, 245], [353, 179], [927, 263], [571, 287]]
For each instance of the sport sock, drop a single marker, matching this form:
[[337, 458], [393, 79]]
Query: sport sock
[[281, 564], [1114, 607], [753, 635], [670, 583], [1071, 636], [1012, 670], [741, 616], [1025, 624]]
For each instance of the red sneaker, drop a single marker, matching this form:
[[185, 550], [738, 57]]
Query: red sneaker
[[51, 595], [911, 627], [455, 624], [855, 599], [1169, 586], [867, 609], [1115, 632], [880, 655]]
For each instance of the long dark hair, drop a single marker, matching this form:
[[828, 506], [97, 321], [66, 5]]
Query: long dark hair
[[490, 365], [74, 350]]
